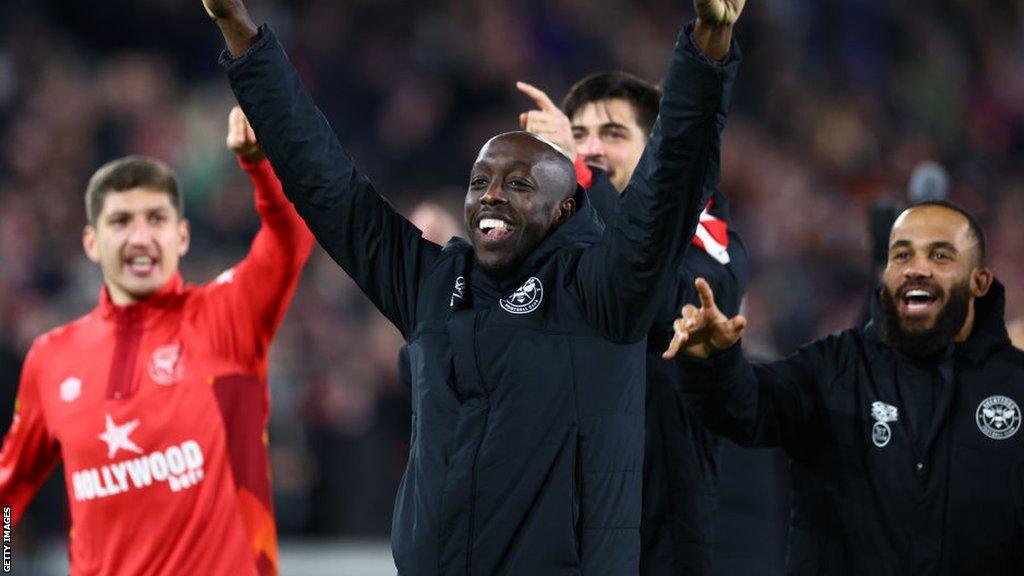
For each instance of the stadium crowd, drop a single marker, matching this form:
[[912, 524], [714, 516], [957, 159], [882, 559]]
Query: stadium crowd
[[826, 121]]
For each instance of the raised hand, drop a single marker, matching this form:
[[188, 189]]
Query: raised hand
[[223, 8], [718, 12], [547, 121], [241, 139], [700, 332]]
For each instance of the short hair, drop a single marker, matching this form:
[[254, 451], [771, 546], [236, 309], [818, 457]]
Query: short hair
[[125, 174], [644, 96], [972, 222]]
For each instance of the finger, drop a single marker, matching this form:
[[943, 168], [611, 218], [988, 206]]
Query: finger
[[690, 315], [537, 95], [707, 297], [738, 324], [673, 347], [523, 120], [250, 134]]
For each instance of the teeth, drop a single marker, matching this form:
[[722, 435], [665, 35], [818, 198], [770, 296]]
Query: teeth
[[488, 223], [918, 294], [141, 261]]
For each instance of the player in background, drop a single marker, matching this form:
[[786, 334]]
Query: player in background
[[904, 435], [604, 123], [157, 399]]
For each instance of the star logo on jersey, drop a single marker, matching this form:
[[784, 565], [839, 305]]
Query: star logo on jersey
[[116, 437]]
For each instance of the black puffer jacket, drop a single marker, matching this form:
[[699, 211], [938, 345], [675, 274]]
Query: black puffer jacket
[[888, 479], [527, 442], [680, 485]]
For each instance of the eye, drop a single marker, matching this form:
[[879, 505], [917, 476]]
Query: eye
[[616, 134], [118, 221], [477, 182], [578, 135], [900, 256], [157, 218], [519, 184], [941, 256]]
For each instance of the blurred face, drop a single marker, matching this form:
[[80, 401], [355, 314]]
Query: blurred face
[[137, 240], [519, 189], [931, 280], [608, 137]]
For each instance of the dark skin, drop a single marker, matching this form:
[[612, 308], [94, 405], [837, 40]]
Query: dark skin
[[525, 183]]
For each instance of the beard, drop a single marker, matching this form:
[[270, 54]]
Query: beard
[[926, 343]]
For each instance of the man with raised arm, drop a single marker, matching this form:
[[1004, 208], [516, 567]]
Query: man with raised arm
[[157, 400], [907, 455], [526, 344]]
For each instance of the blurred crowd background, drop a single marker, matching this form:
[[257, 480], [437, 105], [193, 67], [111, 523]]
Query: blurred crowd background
[[837, 101]]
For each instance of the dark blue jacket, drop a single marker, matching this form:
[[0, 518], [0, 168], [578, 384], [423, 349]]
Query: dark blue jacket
[[527, 434], [680, 484], [899, 466]]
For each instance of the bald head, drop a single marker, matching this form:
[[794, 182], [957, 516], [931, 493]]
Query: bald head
[[520, 188]]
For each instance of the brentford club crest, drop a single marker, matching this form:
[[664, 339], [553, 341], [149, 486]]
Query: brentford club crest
[[165, 366], [883, 414], [998, 417], [525, 299]]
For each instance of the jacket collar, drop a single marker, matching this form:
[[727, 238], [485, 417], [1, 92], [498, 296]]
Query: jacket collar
[[157, 301]]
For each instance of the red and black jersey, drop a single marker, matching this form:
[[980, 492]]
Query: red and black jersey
[[159, 409]]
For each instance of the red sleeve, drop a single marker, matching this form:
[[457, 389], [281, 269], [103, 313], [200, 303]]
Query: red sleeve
[[249, 300], [29, 452]]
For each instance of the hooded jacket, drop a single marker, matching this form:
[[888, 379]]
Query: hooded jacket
[[527, 425], [898, 466]]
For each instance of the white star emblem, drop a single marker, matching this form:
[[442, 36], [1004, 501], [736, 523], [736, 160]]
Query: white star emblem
[[116, 437]]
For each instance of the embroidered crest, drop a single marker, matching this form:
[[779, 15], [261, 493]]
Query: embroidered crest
[[165, 366], [998, 417], [525, 299], [883, 414]]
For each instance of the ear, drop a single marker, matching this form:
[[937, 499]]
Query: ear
[[981, 281], [566, 209], [184, 236], [89, 243]]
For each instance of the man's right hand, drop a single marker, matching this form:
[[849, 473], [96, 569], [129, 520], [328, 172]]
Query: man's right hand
[[700, 332], [233, 19], [547, 121], [223, 8]]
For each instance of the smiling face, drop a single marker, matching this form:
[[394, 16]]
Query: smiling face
[[520, 188], [933, 275], [609, 137], [137, 239]]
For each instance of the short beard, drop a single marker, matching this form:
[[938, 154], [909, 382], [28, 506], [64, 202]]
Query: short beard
[[921, 345]]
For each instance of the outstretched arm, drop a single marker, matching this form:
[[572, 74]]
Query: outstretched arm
[[382, 251], [644, 243]]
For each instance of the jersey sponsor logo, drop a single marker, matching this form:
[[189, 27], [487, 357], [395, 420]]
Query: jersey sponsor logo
[[116, 437], [70, 389], [459, 292], [883, 414], [165, 365], [525, 299], [998, 417], [179, 466]]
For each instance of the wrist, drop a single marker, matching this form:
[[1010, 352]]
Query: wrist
[[713, 40]]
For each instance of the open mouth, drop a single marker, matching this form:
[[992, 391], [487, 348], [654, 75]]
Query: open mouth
[[494, 230], [141, 265], [918, 301]]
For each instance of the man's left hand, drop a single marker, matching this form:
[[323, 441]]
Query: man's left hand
[[241, 139]]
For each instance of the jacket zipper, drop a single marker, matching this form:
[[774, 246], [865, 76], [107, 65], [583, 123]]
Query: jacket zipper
[[128, 337]]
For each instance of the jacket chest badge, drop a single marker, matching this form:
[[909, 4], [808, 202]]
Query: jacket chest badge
[[525, 299], [165, 365], [998, 417], [883, 414]]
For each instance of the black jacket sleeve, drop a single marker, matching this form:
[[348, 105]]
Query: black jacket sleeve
[[644, 242], [382, 251], [774, 404]]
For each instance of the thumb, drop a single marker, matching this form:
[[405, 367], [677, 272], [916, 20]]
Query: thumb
[[523, 118]]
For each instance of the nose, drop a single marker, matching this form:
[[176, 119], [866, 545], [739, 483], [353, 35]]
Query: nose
[[918, 268], [494, 195], [590, 147], [140, 233]]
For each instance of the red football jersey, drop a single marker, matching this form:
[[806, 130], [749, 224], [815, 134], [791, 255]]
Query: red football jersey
[[159, 410]]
